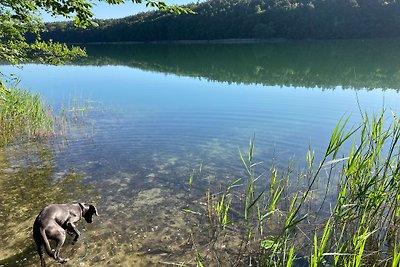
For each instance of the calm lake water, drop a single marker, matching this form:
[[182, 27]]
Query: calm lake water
[[159, 111]]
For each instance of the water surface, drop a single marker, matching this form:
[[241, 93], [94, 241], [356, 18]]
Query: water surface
[[158, 111]]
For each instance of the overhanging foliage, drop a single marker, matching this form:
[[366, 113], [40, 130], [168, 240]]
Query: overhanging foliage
[[21, 18]]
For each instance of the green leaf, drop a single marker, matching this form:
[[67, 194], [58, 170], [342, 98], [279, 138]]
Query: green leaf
[[267, 243]]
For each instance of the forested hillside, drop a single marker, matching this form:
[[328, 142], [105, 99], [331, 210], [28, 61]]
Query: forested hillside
[[244, 19]]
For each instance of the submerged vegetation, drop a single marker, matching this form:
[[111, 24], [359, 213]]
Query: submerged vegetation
[[343, 211], [23, 115]]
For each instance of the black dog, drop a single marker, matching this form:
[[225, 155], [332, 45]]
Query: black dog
[[54, 221]]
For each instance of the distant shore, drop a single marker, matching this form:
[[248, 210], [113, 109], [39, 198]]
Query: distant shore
[[216, 41], [229, 41]]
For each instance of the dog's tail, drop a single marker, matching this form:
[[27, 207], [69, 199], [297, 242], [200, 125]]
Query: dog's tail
[[40, 238]]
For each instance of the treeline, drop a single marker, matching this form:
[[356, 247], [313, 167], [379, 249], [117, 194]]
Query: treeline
[[355, 64], [246, 19]]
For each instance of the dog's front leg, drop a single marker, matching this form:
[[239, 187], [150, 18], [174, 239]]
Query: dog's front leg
[[72, 228]]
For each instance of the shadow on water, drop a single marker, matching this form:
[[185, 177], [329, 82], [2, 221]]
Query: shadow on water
[[355, 64], [20, 259], [140, 198], [141, 220], [29, 182]]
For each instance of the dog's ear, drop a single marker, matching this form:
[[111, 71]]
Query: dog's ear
[[93, 210], [88, 213], [83, 207]]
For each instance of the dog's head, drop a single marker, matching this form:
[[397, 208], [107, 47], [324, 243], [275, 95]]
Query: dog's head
[[88, 211]]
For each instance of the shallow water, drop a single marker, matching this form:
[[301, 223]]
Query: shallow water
[[155, 120]]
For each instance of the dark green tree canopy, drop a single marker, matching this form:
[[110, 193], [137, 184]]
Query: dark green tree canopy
[[246, 19]]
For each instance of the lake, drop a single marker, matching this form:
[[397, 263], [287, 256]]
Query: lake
[[154, 113]]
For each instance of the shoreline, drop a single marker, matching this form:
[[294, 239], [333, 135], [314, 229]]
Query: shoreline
[[226, 41], [215, 41]]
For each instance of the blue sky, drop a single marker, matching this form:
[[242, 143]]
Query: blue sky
[[106, 11]]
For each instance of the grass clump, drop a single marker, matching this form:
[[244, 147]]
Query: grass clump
[[342, 211], [23, 116]]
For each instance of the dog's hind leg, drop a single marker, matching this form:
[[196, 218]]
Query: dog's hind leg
[[60, 241]]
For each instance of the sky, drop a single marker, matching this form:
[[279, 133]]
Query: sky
[[105, 11]]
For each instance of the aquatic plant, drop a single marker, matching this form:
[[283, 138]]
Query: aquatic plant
[[343, 211], [23, 115], [26, 116]]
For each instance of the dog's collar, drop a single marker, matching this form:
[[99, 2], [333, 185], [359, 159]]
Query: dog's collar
[[82, 208]]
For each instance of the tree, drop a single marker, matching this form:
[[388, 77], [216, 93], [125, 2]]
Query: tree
[[20, 19]]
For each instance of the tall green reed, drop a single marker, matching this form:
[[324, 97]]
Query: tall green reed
[[277, 227], [23, 115]]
